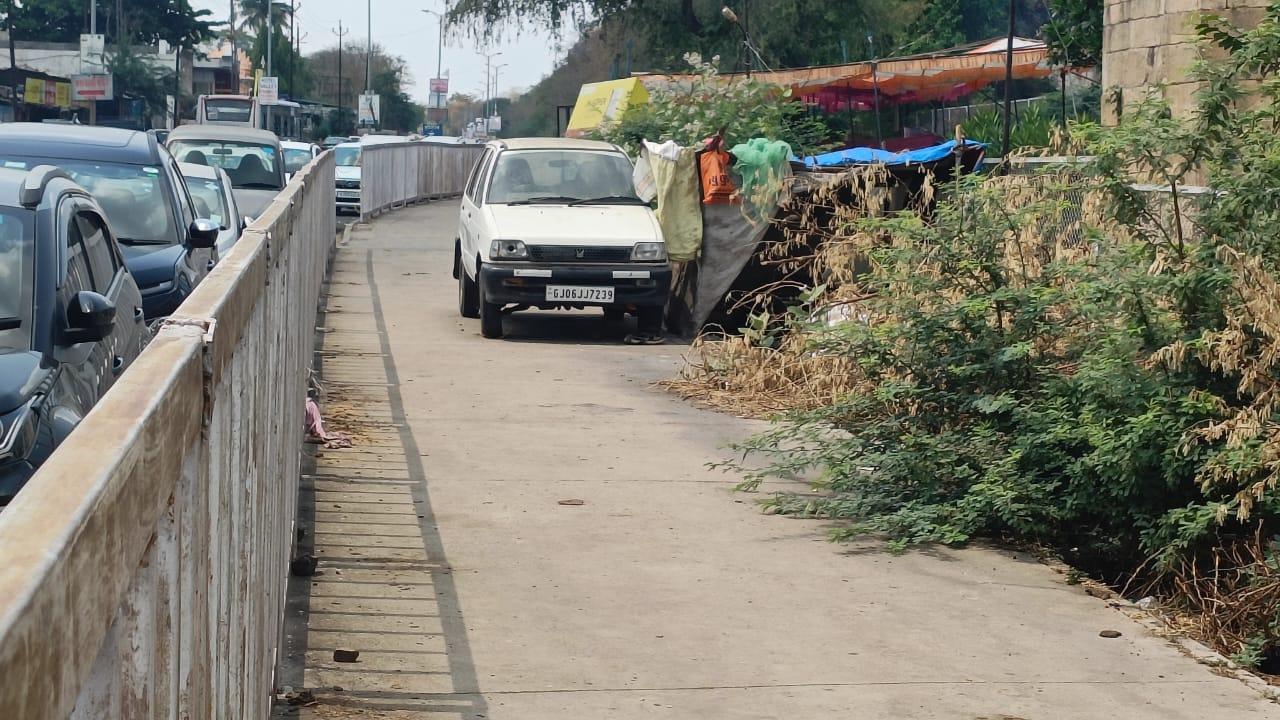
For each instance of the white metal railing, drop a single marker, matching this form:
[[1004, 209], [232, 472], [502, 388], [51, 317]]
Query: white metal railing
[[143, 568], [393, 174]]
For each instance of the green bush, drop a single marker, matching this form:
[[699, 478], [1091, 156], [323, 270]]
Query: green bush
[[1115, 398], [743, 108]]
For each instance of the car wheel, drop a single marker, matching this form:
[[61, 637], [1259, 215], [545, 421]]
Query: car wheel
[[614, 314], [490, 316], [468, 293]]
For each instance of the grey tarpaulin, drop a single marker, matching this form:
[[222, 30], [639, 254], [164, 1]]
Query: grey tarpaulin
[[730, 236]]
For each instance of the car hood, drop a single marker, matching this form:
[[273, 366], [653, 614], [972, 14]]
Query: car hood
[[347, 172], [253, 202], [20, 375], [152, 264], [598, 225]]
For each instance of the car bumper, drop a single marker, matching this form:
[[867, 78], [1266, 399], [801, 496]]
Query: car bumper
[[348, 200], [526, 283]]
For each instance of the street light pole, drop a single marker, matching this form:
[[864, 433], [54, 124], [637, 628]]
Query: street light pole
[[368, 56], [341, 109], [488, 62]]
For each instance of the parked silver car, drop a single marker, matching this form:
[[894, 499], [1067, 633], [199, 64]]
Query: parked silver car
[[212, 193]]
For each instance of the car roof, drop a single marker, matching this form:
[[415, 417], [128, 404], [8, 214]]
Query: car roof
[[79, 142], [346, 145], [208, 172], [295, 145], [222, 132], [553, 143]]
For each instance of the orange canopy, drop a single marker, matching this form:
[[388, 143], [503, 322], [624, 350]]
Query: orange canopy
[[942, 75]]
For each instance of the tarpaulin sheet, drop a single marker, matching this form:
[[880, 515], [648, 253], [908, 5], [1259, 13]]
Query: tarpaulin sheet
[[871, 156]]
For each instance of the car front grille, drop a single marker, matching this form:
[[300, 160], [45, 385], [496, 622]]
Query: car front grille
[[571, 254], [349, 184]]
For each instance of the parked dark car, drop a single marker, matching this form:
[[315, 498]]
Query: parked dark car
[[71, 318], [253, 159], [137, 182]]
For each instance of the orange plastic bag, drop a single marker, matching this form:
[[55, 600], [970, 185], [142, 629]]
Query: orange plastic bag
[[717, 183]]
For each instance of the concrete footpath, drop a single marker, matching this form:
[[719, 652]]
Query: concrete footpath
[[450, 559]]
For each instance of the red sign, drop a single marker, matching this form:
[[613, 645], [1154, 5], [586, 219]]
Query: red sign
[[440, 86], [91, 87]]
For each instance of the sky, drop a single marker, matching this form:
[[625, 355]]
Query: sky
[[403, 29]]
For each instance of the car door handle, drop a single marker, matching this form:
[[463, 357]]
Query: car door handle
[[211, 264], [117, 364]]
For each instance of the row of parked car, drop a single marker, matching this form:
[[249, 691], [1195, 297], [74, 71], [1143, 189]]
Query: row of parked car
[[103, 233]]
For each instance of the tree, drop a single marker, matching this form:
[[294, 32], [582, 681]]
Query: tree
[[174, 21], [1074, 32], [135, 78], [399, 112], [253, 23]]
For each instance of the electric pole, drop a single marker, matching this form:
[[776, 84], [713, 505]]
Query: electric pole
[[235, 54], [293, 33], [368, 53], [341, 108]]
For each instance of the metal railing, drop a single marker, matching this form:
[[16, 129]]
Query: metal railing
[[144, 565], [393, 174]]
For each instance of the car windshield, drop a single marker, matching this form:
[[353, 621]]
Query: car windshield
[[295, 159], [346, 156], [133, 196], [17, 232], [566, 175], [228, 110], [252, 166], [206, 193]]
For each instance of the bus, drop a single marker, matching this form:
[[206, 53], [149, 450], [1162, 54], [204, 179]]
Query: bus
[[228, 110], [284, 117]]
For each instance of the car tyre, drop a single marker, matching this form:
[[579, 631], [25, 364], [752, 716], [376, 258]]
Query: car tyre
[[468, 293], [614, 314], [490, 316]]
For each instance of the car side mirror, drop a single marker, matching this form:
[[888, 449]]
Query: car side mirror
[[90, 318], [245, 222], [203, 233]]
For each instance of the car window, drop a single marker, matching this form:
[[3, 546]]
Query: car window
[[97, 248], [78, 276], [186, 205], [476, 172], [207, 195], [134, 197], [236, 110], [578, 174], [295, 159], [346, 156], [17, 258], [251, 166]]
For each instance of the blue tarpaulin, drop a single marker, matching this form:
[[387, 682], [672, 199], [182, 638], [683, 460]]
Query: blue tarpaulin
[[874, 156]]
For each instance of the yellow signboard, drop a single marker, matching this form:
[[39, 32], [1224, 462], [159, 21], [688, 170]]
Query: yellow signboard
[[62, 96], [604, 102], [34, 91]]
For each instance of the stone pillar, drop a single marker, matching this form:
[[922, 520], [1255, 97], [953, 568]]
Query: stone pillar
[[1145, 42]]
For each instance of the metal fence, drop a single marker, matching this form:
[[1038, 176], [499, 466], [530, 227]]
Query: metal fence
[[144, 566], [393, 174]]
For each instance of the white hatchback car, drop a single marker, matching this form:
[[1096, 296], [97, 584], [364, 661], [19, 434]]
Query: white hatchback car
[[555, 223]]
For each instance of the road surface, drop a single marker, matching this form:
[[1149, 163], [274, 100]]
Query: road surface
[[449, 559]]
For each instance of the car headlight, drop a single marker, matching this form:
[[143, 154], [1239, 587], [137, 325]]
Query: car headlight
[[508, 250], [649, 252]]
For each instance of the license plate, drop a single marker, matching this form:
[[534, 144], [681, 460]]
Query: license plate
[[577, 293], [346, 195]]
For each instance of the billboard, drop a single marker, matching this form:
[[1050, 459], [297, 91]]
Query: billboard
[[269, 90], [369, 109], [92, 87], [440, 85]]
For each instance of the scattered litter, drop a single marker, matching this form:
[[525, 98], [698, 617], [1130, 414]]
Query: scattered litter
[[346, 656], [300, 699], [572, 501], [316, 432], [1109, 634]]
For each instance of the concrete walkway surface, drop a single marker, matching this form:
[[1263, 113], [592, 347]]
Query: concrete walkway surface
[[448, 559]]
